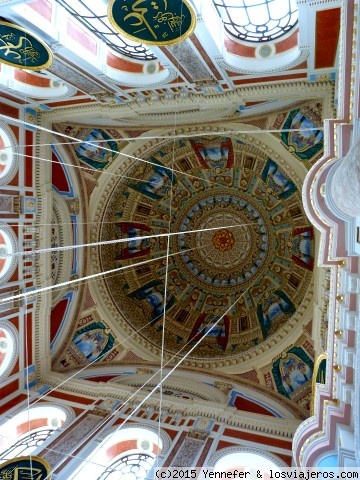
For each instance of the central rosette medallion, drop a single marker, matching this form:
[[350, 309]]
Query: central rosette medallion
[[223, 240], [223, 236]]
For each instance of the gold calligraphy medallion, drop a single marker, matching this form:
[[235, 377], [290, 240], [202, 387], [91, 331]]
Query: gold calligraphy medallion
[[20, 48], [152, 22], [25, 468]]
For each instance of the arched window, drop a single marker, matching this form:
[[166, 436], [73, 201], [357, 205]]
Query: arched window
[[26, 431], [8, 155], [130, 453], [32, 84], [8, 245], [8, 348], [247, 458], [134, 466], [257, 20]]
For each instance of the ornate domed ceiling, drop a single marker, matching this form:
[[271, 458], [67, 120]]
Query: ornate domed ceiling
[[240, 248]]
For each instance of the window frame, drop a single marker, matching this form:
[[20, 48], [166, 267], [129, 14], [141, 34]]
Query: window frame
[[242, 32], [92, 22]]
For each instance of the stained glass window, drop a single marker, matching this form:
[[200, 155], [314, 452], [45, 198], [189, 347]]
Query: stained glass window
[[8, 156], [257, 20], [26, 445], [26, 431], [128, 453], [95, 19], [135, 466]]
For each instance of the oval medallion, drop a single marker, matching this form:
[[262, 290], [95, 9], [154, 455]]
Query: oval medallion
[[22, 468], [153, 22], [20, 48]]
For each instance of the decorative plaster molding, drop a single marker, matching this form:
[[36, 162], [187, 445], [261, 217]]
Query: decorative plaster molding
[[120, 112], [176, 383], [229, 416], [14, 335], [61, 223]]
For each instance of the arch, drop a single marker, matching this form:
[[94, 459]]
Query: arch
[[37, 85], [27, 430], [176, 386], [61, 234], [262, 21], [8, 246], [137, 73], [260, 36], [8, 154], [130, 450], [8, 348], [231, 457]]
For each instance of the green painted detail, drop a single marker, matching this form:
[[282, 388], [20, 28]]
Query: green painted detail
[[21, 49], [160, 22], [302, 136], [94, 341], [97, 150], [321, 372], [292, 370], [22, 468]]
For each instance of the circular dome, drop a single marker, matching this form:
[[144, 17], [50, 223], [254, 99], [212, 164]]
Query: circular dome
[[241, 250]]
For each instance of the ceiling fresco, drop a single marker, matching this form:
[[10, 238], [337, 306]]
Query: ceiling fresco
[[180, 170], [240, 249], [248, 256]]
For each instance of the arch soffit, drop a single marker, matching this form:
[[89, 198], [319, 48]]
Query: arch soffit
[[111, 433], [182, 384], [68, 412], [224, 452], [252, 392]]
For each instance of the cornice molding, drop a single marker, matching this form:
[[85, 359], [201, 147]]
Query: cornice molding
[[281, 427], [177, 383], [183, 101]]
